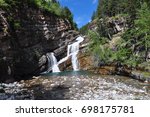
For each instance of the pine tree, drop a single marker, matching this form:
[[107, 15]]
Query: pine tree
[[93, 15], [142, 25]]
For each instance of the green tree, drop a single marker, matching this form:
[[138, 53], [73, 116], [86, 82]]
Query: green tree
[[142, 24], [84, 29], [3, 3], [93, 16], [67, 13], [98, 46]]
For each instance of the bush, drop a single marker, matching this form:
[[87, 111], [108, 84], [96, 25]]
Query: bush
[[99, 47], [3, 3]]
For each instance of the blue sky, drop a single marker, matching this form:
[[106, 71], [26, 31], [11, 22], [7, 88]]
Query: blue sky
[[81, 9]]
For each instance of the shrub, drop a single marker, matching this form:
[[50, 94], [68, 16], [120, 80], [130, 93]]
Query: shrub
[[3, 3]]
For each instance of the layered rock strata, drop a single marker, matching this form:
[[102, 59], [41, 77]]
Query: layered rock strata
[[27, 33]]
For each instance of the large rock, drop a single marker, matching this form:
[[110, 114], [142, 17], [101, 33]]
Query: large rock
[[26, 34]]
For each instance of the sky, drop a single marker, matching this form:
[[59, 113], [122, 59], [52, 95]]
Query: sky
[[82, 10]]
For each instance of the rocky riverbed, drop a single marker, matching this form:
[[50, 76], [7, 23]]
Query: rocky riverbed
[[77, 87]]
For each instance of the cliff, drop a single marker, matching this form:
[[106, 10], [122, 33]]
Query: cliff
[[27, 33]]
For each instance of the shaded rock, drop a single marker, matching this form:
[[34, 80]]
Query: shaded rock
[[2, 90]]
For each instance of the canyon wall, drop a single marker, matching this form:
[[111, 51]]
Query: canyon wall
[[27, 33]]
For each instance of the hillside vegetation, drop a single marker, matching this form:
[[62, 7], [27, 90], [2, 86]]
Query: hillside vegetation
[[52, 6], [133, 46]]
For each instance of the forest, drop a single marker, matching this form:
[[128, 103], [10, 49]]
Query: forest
[[133, 46]]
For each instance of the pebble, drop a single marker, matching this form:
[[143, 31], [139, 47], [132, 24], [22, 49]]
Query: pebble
[[94, 88], [52, 85]]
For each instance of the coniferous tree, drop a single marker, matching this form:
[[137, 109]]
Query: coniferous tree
[[135, 45], [93, 15], [142, 24]]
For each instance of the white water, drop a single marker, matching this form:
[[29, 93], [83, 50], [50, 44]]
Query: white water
[[67, 57], [52, 63], [72, 52]]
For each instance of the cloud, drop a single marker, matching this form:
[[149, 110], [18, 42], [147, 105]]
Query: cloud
[[79, 20], [94, 1]]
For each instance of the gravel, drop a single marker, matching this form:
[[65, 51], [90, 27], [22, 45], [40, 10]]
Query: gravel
[[76, 88]]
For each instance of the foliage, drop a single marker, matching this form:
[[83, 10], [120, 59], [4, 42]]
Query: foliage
[[143, 27], [121, 53], [67, 13], [109, 8], [114, 7], [103, 27], [97, 46], [84, 29], [94, 15], [138, 38], [48, 5], [51, 6], [17, 25], [100, 48], [135, 43], [3, 3]]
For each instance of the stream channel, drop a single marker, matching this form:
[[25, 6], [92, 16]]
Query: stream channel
[[76, 85]]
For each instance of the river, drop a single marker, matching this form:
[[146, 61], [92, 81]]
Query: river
[[79, 85]]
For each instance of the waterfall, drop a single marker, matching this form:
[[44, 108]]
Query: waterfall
[[52, 63], [72, 52], [67, 57], [74, 49]]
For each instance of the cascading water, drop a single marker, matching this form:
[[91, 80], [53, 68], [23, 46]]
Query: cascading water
[[68, 55], [72, 51], [52, 63]]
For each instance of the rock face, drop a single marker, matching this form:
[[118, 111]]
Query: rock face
[[109, 26], [26, 35]]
